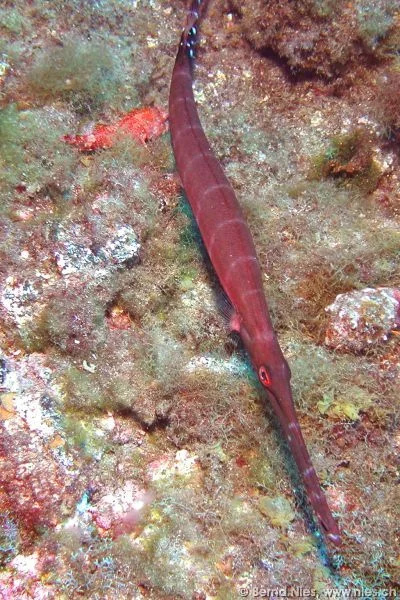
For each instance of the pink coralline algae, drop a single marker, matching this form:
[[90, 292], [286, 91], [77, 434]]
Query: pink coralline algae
[[120, 511], [362, 318], [141, 124], [34, 469]]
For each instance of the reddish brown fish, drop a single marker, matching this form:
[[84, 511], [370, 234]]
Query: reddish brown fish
[[142, 124], [230, 246]]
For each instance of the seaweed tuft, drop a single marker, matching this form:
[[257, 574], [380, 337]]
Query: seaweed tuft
[[84, 74]]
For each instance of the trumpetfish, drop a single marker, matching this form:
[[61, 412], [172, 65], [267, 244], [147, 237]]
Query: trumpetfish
[[230, 246]]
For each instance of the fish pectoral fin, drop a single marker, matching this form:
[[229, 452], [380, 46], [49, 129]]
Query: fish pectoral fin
[[225, 307], [235, 322], [230, 315]]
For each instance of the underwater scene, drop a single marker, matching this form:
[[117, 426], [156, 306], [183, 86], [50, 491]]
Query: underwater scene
[[141, 456]]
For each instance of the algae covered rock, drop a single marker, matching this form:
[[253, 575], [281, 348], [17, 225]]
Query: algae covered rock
[[322, 37], [362, 318], [277, 509]]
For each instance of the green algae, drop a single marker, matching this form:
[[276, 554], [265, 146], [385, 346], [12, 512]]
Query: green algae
[[143, 383], [319, 375], [83, 435], [83, 391], [278, 510], [348, 406], [75, 325], [31, 152], [349, 159], [9, 538], [165, 360], [375, 23], [347, 253], [13, 21], [323, 8], [10, 140], [82, 73], [242, 516], [263, 473], [126, 151], [302, 547]]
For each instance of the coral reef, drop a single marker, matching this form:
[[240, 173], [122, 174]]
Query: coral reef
[[138, 458]]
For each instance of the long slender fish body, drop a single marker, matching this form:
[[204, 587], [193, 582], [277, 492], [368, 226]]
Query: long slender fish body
[[230, 246]]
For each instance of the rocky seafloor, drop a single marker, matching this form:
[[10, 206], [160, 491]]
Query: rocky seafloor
[[138, 458]]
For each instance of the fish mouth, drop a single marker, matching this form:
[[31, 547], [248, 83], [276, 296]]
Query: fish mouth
[[326, 522], [331, 533], [335, 538]]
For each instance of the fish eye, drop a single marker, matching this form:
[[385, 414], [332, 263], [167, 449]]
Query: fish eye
[[264, 376]]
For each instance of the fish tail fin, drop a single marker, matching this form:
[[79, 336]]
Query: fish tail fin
[[189, 33]]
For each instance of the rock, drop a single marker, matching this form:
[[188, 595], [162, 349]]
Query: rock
[[36, 475], [277, 509], [362, 318], [319, 37], [78, 252]]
